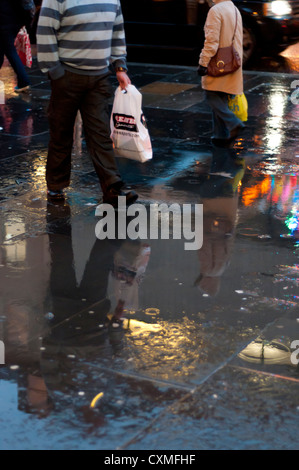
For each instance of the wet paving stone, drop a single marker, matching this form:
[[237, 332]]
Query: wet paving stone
[[225, 415], [114, 342]]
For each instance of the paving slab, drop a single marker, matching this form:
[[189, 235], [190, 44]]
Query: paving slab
[[141, 344]]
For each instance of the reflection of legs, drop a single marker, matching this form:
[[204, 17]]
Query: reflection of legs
[[8, 49], [95, 280], [63, 279], [64, 294], [63, 285], [224, 118], [95, 116], [72, 324]]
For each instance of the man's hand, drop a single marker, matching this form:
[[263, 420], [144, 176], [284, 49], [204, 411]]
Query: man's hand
[[123, 80]]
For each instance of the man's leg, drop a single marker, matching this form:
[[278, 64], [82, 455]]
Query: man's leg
[[96, 121], [64, 104]]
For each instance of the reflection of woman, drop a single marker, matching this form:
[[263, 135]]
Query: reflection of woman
[[220, 204], [223, 22]]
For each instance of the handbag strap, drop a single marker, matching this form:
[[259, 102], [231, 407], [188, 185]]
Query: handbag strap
[[235, 25]]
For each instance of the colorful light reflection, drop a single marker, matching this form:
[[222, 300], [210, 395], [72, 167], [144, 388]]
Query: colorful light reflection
[[292, 222], [282, 193]]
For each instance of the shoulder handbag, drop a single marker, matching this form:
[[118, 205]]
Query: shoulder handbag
[[226, 60]]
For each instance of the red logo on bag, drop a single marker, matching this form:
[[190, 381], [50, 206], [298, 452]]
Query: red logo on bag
[[143, 120], [125, 122]]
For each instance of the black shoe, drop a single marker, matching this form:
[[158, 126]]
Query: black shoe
[[113, 193], [57, 195]]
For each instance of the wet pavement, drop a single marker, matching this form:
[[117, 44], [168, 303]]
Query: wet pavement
[[142, 344], [285, 62]]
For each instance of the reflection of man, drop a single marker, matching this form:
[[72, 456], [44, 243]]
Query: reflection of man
[[220, 204], [76, 43], [68, 298], [79, 310], [83, 317]]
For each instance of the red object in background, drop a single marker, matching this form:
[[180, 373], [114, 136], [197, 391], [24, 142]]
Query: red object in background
[[23, 47]]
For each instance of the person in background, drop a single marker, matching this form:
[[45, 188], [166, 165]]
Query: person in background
[[223, 20], [33, 26], [14, 14], [76, 44]]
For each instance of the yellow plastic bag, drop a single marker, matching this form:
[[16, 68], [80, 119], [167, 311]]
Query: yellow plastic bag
[[239, 106]]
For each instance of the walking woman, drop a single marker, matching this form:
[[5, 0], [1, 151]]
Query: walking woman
[[223, 25], [13, 15]]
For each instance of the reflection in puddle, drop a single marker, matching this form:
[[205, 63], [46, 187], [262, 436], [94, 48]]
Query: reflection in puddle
[[274, 127], [99, 320], [279, 197], [102, 336]]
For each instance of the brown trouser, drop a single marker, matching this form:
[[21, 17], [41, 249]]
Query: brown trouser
[[89, 95]]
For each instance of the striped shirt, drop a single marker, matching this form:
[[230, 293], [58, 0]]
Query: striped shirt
[[84, 36]]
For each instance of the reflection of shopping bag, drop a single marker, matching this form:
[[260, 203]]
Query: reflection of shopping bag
[[130, 263], [23, 47], [239, 106], [129, 132]]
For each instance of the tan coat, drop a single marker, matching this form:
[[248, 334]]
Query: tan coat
[[219, 30]]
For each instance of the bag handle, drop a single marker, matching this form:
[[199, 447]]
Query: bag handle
[[235, 25]]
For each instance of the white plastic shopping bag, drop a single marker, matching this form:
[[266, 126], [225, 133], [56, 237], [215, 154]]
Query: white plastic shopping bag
[[129, 132]]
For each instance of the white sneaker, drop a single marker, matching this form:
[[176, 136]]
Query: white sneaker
[[267, 352]]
